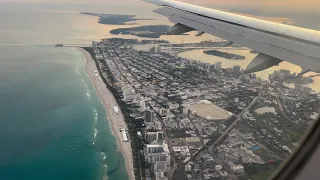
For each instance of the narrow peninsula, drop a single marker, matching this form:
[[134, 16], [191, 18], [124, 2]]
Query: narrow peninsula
[[114, 19]]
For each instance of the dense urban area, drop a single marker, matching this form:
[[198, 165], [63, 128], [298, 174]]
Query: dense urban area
[[193, 120]]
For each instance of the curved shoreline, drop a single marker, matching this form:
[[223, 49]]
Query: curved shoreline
[[116, 121]]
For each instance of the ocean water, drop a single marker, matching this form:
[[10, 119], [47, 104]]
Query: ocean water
[[53, 125]]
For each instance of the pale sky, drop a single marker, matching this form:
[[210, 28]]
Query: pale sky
[[284, 3], [299, 5]]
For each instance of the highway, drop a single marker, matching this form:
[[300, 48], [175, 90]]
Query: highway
[[282, 110], [239, 117], [222, 136]]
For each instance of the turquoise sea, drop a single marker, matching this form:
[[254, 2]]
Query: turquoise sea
[[52, 123]]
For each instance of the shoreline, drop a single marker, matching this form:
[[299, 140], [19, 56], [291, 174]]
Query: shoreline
[[116, 120]]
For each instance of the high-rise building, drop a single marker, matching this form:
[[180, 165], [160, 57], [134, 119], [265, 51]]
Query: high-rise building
[[277, 73], [128, 97], [303, 89], [158, 49], [162, 111], [285, 72], [149, 116], [159, 175], [297, 87], [185, 111], [153, 49], [158, 156], [142, 105], [127, 90], [307, 90], [175, 53], [153, 136], [282, 76], [94, 45], [128, 93], [272, 76], [229, 70], [212, 68], [154, 148], [236, 69], [217, 66]]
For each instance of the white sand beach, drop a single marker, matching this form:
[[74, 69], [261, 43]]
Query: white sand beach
[[116, 119]]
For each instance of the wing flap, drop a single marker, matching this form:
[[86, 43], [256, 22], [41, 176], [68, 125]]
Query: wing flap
[[200, 33], [261, 62], [178, 29]]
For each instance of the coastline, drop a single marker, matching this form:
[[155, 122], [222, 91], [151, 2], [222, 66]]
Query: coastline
[[116, 120]]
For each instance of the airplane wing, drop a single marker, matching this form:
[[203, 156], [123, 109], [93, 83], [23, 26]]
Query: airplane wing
[[275, 42]]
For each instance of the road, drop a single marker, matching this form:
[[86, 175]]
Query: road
[[282, 110], [239, 117], [166, 138], [222, 136]]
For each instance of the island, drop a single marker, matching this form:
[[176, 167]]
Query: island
[[151, 31], [114, 19], [224, 55]]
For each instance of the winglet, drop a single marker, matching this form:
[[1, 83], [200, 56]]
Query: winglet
[[179, 29]]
